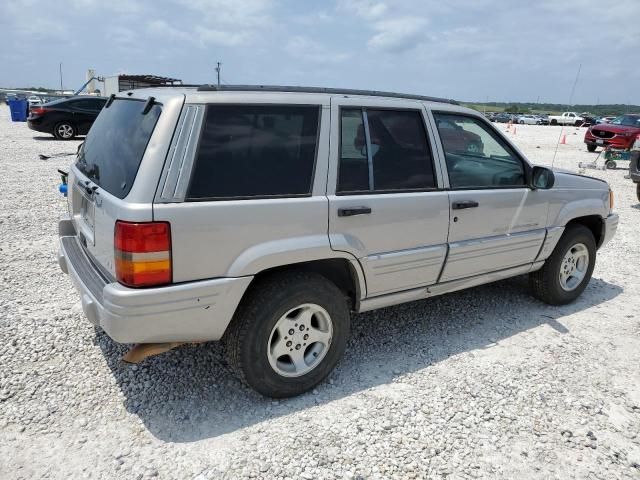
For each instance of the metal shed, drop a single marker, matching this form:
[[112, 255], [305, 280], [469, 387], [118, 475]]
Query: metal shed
[[120, 83]]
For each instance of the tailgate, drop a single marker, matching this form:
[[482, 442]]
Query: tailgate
[[117, 169]]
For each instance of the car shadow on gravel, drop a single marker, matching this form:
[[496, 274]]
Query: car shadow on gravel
[[189, 394]]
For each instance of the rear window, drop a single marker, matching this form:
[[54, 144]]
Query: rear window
[[249, 151], [113, 150]]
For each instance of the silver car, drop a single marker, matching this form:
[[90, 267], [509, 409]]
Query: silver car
[[263, 216]]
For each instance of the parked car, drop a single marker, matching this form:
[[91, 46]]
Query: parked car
[[619, 133], [34, 101], [544, 119], [567, 118], [606, 119], [588, 119], [66, 118], [503, 118], [261, 216], [528, 120]]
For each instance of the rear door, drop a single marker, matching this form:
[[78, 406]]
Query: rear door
[[386, 206], [497, 221]]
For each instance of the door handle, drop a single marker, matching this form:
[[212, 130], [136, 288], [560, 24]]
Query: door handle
[[351, 211], [464, 204]]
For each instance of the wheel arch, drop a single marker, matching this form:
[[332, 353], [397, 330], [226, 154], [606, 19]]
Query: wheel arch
[[345, 273], [595, 223]]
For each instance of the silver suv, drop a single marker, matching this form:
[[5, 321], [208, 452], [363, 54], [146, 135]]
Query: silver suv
[[263, 216]]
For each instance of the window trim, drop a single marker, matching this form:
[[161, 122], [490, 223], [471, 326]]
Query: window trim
[[365, 120], [525, 164], [187, 198]]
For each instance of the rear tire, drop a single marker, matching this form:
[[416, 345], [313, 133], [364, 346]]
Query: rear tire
[[591, 147], [64, 131], [259, 342], [547, 283], [554, 122], [638, 191]]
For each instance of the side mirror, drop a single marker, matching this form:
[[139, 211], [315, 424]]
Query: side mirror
[[542, 178]]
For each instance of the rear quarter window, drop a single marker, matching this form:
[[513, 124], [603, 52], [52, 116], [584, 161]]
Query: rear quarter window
[[112, 152], [249, 151]]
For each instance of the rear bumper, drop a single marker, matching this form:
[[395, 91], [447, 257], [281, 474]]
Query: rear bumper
[[609, 227], [187, 312]]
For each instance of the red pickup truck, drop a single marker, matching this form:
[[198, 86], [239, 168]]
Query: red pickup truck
[[620, 133]]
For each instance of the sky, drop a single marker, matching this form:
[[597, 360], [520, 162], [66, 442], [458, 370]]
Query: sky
[[469, 50]]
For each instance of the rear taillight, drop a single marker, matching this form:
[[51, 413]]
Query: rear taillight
[[38, 111], [143, 253]]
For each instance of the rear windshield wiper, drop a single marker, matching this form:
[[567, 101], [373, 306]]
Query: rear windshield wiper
[[148, 105]]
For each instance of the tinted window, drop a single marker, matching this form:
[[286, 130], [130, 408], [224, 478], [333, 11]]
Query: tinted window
[[627, 120], [475, 155], [113, 150], [399, 150], [255, 151], [353, 170]]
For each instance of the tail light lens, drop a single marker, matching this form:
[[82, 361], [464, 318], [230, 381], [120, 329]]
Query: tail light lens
[[38, 111], [143, 253]]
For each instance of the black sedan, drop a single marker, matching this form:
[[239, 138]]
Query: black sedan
[[66, 118]]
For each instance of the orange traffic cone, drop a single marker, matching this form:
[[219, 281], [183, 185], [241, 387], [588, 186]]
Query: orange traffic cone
[[563, 141]]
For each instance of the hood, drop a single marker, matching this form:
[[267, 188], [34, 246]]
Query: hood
[[569, 179], [609, 127]]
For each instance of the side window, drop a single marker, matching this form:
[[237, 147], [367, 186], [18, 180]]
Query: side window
[[255, 151], [353, 172], [383, 150], [476, 157]]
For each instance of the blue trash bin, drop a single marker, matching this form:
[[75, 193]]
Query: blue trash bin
[[19, 110]]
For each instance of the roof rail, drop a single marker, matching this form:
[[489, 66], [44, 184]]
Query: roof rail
[[334, 91]]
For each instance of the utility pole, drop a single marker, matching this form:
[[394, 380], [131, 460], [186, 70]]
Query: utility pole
[[61, 89], [218, 71]]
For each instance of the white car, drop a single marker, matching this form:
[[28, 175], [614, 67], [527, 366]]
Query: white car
[[528, 120], [34, 100]]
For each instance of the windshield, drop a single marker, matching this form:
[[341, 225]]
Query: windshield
[[627, 120], [113, 149]]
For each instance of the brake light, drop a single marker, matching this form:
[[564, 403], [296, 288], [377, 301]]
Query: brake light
[[143, 253], [38, 111]]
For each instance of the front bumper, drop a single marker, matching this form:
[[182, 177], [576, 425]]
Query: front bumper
[[186, 312], [609, 227], [623, 143]]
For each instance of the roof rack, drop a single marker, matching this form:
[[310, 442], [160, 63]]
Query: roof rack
[[334, 91]]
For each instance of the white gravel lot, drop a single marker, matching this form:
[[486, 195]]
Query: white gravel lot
[[485, 383]]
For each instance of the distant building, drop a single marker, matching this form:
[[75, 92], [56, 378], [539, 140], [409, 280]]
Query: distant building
[[120, 83]]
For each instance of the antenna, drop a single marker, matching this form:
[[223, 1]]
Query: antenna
[[573, 89]]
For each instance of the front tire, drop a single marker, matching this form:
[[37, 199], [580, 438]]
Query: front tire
[[591, 147], [288, 334], [638, 191], [567, 271], [64, 131]]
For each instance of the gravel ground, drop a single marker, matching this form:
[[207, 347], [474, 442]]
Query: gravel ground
[[485, 383]]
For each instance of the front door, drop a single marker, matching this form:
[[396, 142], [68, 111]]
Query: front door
[[497, 221], [386, 204]]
